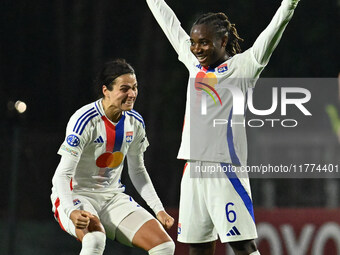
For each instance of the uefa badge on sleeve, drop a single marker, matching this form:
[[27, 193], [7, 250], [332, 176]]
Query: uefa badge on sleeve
[[129, 136], [73, 140]]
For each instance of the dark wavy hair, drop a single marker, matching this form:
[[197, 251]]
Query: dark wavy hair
[[222, 26], [110, 71]]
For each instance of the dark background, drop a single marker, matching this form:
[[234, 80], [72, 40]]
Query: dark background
[[50, 52]]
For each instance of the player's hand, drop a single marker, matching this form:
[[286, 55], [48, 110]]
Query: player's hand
[[165, 219], [80, 218]]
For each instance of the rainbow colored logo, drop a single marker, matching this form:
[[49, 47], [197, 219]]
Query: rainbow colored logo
[[206, 82]]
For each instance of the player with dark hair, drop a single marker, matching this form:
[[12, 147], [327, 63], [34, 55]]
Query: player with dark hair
[[87, 195], [212, 207], [222, 26]]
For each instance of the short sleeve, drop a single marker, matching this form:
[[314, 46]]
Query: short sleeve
[[75, 139], [139, 143]]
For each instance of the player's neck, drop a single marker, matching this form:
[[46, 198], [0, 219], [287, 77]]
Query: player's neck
[[220, 61], [113, 116], [112, 113]]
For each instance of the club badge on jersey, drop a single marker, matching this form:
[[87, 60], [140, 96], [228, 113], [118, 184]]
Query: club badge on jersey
[[76, 202], [129, 136], [222, 68]]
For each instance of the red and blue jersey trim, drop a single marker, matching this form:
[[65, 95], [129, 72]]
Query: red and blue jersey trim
[[114, 134]]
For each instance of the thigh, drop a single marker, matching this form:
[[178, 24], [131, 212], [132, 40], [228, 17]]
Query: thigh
[[243, 247], [194, 224], [129, 226], [202, 248], [150, 234], [115, 211]]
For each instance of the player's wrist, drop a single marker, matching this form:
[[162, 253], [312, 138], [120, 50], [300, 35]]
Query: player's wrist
[[69, 211], [158, 208]]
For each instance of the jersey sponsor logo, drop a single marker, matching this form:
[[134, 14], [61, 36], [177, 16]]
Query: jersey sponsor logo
[[206, 82], [99, 140], [129, 136], [76, 202], [222, 68], [110, 159], [179, 229], [234, 232], [73, 140]]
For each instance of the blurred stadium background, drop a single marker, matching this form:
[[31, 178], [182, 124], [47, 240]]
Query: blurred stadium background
[[50, 52]]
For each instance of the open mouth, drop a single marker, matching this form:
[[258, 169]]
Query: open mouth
[[201, 59], [128, 102]]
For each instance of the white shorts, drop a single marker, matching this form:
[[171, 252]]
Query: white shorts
[[212, 207], [110, 212]]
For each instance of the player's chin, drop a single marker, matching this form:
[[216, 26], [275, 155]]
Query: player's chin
[[127, 107]]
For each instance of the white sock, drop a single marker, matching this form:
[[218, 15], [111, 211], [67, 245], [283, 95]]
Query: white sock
[[255, 253], [93, 243], [167, 248]]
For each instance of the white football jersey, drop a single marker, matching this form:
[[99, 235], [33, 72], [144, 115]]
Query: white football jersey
[[100, 146], [207, 97]]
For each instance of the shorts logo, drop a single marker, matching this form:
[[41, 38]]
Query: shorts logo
[[234, 232], [73, 140], [222, 68], [129, 136], [179, 229], [76, 202]]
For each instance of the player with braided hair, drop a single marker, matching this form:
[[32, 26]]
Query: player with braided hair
[[222, 26], [212, 207]]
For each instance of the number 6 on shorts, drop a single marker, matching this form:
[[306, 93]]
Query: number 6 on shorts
[[231, 214]]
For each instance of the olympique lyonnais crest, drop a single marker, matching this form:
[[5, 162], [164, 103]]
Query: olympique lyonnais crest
[[222, 68], [129, 136], [76, 202]]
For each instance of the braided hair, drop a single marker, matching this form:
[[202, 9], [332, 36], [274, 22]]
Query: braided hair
[[220, 22]]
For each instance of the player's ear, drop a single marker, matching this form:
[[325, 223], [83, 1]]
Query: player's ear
[[105, 91], [225, 40]]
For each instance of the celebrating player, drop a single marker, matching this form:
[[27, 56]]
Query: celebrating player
[[212, 54], [87, 193]]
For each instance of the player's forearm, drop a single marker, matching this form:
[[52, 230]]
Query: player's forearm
[[169, 23], [142, 182], [61, 181], [268, 40]]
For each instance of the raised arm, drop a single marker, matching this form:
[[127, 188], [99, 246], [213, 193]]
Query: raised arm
[[266, 43], [169, 23]]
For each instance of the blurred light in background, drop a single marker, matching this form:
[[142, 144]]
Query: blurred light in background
[[20, 106]]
